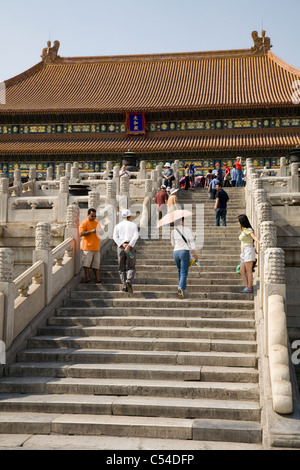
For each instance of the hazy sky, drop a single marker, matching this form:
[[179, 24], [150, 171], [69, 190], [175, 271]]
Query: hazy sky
[[102, 27]]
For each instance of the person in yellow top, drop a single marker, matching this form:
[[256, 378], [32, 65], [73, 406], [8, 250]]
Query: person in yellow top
[[247, 239], [90, 231]]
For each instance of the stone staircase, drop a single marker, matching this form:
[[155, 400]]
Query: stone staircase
[[147, 364]]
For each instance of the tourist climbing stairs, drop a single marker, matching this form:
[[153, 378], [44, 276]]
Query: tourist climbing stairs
[[147, 364]]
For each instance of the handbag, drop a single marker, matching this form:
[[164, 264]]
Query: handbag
[[192, 260]]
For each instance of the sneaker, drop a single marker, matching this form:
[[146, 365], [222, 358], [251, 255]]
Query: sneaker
[[180, 294], [246, 291], [129, 287]]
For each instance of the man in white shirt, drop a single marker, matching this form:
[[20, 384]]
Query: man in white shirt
[[125, 236], [124, 171]]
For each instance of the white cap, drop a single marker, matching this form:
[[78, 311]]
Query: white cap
[[174, 191], [163, 186], [126, 213], [167, 164]]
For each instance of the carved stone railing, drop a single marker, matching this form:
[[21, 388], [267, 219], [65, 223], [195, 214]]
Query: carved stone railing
[[271, 296]]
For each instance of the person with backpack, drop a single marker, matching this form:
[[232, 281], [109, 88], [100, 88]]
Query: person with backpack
[[221, 205]]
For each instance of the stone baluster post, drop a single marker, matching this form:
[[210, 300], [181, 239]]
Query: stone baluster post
[[93, 200], [7, 287], [111, 193], [32, 173], [256, 183], [283, 171], [4, 195], [43, 252], [159, 175], [59, 172], [72, 230], [154, 180], [116, 178], [274, 282], [149, 188], [74, 173], [259, 196], [32, 178], [108, 169], [268, 239], [49, 175], [63, 199], [142, 172], [175, 168], [124, 198], [248, 194], [68, 170], [295, 180], [18, 182]]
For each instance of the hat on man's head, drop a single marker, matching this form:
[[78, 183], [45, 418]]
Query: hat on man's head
[[167, 164], [126, 213], [217, 164], [163, 186], [173, 191]]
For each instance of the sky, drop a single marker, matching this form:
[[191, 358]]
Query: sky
[[125, 27]]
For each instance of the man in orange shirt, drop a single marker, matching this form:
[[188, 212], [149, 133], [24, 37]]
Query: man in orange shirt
[[90, 231]]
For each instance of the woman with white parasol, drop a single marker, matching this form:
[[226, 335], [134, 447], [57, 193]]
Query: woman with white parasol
[[183, 242]]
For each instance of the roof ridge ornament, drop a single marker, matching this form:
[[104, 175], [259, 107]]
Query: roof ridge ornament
[[49, 53], [261, 45]]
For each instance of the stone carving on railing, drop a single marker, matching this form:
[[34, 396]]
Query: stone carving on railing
[[93, 200], [43, 236], [32, 173], [268, 235], [279, 356], [264, 212], [59, 171], [68, 170], [271, 269], [49, 174], [4, 185], [148, 188], [73, 213], [142, 171], [274, 266], [6, 264], [64, 185], [111, 193], [283, 169]]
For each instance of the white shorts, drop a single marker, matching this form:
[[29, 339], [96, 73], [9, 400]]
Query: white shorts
[[91, 259], [248, 254]]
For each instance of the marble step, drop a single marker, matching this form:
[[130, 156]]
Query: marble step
[[96, 356], [132, 426], [132, 406]]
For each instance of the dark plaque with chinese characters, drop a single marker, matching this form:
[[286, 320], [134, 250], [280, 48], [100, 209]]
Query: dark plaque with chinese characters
[[136, 124]]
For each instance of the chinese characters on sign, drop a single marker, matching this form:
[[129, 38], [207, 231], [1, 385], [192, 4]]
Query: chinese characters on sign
[[136, 124]]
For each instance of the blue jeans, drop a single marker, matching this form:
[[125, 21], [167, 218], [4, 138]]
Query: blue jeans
[[239, 178], [221, 213], [182, 260]]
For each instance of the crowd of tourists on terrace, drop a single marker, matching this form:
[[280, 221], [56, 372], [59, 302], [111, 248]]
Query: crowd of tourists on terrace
[[233, 176]]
